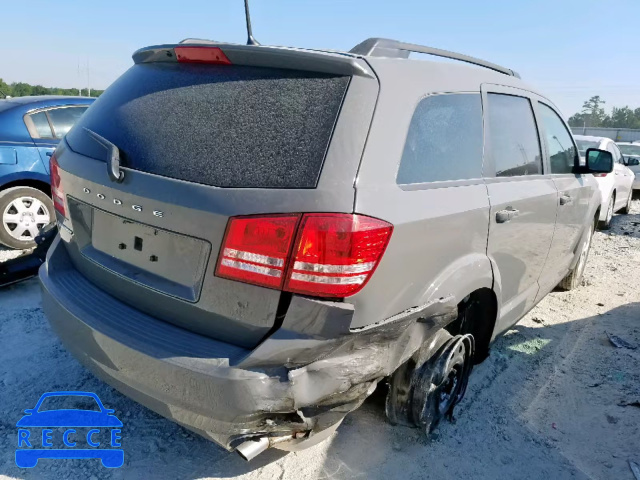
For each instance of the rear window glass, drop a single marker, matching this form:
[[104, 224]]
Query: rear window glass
[[444, 140], [630, 149], [584, 145], [227, 126]]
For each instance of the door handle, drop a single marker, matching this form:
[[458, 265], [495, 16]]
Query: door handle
[[504, 216], [566, 200]]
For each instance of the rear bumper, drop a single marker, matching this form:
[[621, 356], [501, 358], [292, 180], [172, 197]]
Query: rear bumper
[[221, 391]]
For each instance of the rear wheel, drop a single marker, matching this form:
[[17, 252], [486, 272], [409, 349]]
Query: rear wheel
[[627, 208], [606, 223], [573, 279], [24, 211], [421, 395]]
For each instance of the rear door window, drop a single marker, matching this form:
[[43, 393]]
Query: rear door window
[[444, 140], [513, 134], [63, 119], [562, 151]]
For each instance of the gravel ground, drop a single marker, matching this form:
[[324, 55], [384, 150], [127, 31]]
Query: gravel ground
[[8, 254], [548, 403]]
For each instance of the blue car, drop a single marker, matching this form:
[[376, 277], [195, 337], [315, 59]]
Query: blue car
[[88, 432], [30, 129]]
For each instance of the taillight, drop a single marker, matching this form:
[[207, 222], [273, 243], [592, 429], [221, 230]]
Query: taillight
[[600, 174], [334, 254], [255, 249], [56, 190], [210, 55]]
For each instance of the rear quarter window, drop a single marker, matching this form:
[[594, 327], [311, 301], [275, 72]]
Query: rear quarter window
[[444, 141], [41, 125], [64, 118]]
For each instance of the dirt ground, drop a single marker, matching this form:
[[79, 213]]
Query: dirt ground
[[549, 403]]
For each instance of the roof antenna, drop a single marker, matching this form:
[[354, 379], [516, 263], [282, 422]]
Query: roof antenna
[[250, 39]]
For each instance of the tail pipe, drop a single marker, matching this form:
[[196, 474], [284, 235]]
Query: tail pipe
[[254, 447]]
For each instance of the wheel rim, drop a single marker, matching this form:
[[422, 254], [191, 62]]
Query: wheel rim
[[440, 384], [582, 262], [24, 217], [610, 209], [449, 390]]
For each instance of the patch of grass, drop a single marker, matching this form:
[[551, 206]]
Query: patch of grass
[[530, 347]]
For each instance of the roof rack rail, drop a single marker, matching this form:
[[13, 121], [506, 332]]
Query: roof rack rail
[[384, 47]]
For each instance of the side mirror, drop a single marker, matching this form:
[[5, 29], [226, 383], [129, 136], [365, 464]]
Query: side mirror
[[632, 162], [598, 161]]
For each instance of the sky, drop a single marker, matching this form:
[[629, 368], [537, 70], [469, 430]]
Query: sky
[[569, 50]]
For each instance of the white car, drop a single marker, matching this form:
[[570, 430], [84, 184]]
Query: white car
[[615, 187], [631, 152]]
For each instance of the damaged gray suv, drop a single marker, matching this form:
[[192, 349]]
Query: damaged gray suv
[[252, 238]]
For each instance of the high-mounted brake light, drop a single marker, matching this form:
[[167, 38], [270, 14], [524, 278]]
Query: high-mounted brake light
[[210, 55], [56, 190], [333, 255]]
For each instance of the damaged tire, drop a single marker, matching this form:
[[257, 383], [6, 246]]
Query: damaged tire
[[421, 395]]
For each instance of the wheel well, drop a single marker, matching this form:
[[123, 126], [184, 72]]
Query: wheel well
[[44, 187], [477, 314]]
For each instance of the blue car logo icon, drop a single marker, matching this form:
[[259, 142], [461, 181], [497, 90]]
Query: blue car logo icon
[[69, 433]]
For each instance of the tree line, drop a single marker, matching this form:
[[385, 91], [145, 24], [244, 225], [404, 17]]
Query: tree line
[[593, 115], [21, 89]]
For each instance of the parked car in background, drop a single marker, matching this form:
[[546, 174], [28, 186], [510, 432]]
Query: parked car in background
[[615, 187], [330, 220], [30, 130], [631, 152]]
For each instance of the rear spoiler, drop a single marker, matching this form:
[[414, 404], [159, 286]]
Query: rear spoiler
[[264, 56]]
